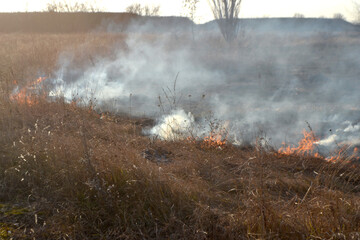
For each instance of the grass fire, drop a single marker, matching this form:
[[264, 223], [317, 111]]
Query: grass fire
[[29, 93], [155, 128]]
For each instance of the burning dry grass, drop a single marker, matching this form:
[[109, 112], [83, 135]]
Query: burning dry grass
[[308, 147], [67, 172]]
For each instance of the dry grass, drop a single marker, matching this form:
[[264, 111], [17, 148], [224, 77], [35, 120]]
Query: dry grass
[[51, 22], [67, 174]]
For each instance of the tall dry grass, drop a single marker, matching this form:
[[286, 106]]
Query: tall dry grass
[[66, 173]]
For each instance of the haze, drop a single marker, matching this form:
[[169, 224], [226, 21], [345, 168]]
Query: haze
[[250, 9]]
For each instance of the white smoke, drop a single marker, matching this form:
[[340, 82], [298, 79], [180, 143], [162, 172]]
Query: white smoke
[[348, 134], [352, 128], [266, 86], [176, 126], [329, 141]]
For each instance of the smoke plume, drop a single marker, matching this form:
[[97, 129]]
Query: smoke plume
[[264, 84]]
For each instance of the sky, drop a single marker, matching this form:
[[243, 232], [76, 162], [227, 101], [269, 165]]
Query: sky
[[250, 8]]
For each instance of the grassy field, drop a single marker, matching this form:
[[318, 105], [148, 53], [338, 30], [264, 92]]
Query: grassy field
[[50, 22], [69, 172]]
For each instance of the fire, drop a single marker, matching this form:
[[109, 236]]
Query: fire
[[208, 142], [343, 154], [306, 146], [214, 140], [26, 94], [339, 155], [356, 154], [218, 136]]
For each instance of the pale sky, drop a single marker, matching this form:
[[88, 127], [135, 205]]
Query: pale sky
[[250, 8]]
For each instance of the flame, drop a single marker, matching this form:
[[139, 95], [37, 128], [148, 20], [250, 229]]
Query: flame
[[214, 140], [306, 146], [218, 137], [25, 95], [341, 154], [356, 154]]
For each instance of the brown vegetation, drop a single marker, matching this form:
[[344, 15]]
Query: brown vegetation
[[67, 172], [60, 22], [83, 22]]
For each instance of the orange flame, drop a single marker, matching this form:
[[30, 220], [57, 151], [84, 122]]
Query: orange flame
[[218, 136], [342, 154], [214, 140], [208, 142], [306, 146], [356, 153], [24, 95], [339, 156]]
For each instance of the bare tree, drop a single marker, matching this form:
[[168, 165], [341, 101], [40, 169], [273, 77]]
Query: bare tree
[[227, 13], [65, 6], [134, 8], [299, 15], [339, 16], [138, 9], [356, 11], [190, 6]]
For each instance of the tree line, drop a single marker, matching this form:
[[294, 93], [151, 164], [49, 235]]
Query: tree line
[[226, 12]]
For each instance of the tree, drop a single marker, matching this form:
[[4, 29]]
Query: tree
[[191, 6], [138, 9], [339, 16], [356, 11], [299, 15], [226, 12], [65, 6]]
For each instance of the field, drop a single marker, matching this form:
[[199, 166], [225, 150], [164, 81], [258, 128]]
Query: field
[[71, 170]]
